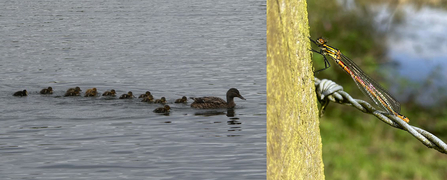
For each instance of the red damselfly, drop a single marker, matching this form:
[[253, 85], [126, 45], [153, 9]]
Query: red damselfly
[[366, 84]]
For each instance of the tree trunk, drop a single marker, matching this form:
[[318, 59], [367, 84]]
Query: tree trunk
[[293, 134]]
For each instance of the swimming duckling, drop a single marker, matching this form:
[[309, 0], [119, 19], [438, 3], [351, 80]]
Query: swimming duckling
[[216, 102], [91, 92], [129, 95], [145, 95], [21, 93], [149, 99], [73, 93], [164, 109], [48, 90], [109, 93], [162, 100], [182, 100], [73, 89]]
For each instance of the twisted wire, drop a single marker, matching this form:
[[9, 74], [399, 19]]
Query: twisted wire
[[328, 90]]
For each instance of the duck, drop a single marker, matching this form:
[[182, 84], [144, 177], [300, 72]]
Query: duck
[[21, 93], [91, 92], [129, 95], [164, 109], [75, 92], [145, 94], [149, 99], [73, 89], [48, 90], [216, 102], [182, 100], [162, 100], [109, 93]]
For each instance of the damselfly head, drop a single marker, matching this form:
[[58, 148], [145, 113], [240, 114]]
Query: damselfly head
[[321, 41]]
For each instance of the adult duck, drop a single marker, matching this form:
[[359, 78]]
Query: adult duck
[[48, 90], [21, 93], [216, 102]]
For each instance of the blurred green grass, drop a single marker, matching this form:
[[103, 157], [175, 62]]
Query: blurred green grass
[[356, 145]]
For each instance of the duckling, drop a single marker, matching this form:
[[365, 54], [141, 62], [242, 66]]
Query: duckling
[[162, 100], [129, 95], [49, 90], [182, 100], [73, 93], [149, 99], [21, 93], [145, 95], [73, 89], [91, 92], [164, 109], [216, 102], [109, 93]]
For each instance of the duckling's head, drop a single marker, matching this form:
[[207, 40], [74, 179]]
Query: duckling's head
[[233, 92], [148, 93], [184, 98], [78, 88], [50, 88], [113, 91], [25, 92], [130, 93], [94, 89], [163, 99], [167, 107]]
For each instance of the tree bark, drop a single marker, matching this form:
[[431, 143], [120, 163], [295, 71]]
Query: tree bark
[[294, 149]]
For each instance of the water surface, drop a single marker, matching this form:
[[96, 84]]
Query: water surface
[[171, 48]]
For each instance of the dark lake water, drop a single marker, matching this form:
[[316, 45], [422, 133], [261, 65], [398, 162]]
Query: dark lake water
[[171, 48]]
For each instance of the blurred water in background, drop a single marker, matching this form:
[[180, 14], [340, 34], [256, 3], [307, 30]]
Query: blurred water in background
[[171, 48]]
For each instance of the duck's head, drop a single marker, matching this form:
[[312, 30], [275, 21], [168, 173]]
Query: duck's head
[[233, 92], [113, 91], [184, 98], [167, 107], [148, 93], [25, 92], [163, 99], [94, 89], [130, 93], [78, 88], [50, 88]]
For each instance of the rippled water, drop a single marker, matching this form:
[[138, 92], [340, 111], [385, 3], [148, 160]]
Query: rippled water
[[171, 48]]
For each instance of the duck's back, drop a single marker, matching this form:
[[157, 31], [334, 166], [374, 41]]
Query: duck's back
[[209, 103]]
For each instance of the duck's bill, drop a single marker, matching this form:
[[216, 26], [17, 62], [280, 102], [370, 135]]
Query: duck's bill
[[242, 97]]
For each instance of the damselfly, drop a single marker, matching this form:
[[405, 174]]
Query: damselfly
[[364, 82]]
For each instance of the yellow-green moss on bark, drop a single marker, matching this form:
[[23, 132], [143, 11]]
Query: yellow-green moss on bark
[[293, 134]]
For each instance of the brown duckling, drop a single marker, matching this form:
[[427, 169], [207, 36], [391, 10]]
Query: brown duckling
[[145, 94], [162, 100], [164, 109], [149, 99], [21, 93], [216, 102], [109, 93], [182, 100], [129, 95], [73, 89], [91, 92], [48, 90], [73, 93]]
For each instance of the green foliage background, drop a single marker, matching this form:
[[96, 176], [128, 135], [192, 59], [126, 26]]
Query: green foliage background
[[356, 145]]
